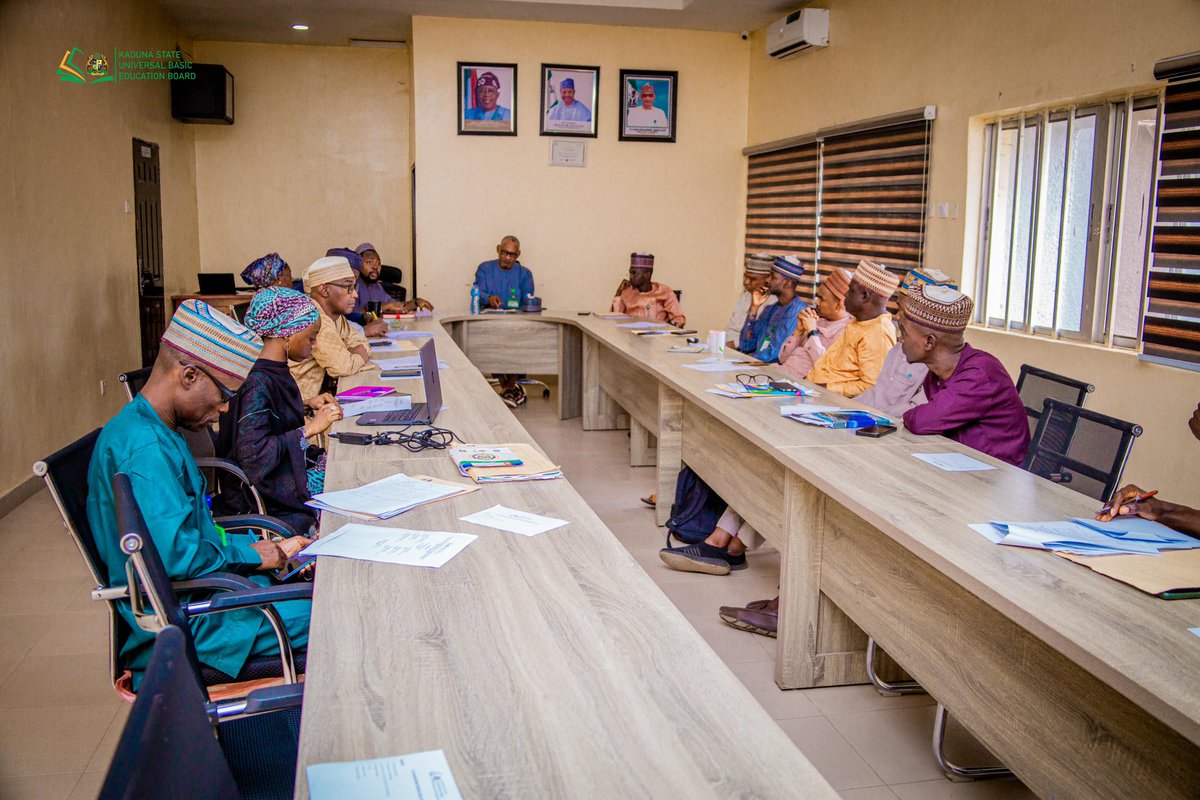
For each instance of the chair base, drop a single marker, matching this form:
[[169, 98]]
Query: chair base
[[953, 771], [894, 688]]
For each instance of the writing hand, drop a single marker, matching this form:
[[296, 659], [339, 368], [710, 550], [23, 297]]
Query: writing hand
[[494, 301], [376, 328], [1126, 502]]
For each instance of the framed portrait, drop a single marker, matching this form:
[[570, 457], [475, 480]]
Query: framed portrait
[[569, 100], [487, 99], [649, 99]]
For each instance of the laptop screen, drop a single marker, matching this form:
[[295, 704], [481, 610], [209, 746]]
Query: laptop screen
[[432, 378]]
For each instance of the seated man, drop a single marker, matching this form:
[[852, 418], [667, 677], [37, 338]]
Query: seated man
[[852, 363], [972, 399], [270, 270], [202, 361], [371, 291], [898, 387], [763, 338], [638, 296], [754, 299], [504, 282], [339, 350], [818, 327], [1129, 500]]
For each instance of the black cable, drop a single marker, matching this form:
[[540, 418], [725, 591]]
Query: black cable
[[430, 438]]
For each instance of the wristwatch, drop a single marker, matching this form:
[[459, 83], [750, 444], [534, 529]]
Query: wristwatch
[[813, 332]]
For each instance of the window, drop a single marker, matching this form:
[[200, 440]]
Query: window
[[1065, 222]]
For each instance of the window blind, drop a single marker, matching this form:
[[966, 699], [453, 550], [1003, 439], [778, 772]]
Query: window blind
[[837, 196], [1171, 325]]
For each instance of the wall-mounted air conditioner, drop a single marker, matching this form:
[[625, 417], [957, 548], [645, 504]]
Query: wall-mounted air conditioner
[[797, 32]]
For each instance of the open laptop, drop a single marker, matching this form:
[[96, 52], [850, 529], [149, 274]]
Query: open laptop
[[216, 283], [420, 413]]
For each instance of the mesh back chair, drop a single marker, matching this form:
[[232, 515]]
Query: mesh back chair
[[1035, 385], [1083, 449], [65, 473], [390, 278], [167, 748]]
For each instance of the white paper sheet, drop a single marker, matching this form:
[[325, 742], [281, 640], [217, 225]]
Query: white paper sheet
[[390, 545], [417, 776], [513, 521], [409, 334], [719, 366], [389, 402], [954, 462], [687, 348], [802, 408], [384, 498], [1064, 535], [642, 325], [406, 362]]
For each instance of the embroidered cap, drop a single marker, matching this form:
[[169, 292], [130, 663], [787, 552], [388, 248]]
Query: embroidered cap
[[567, 83], [939, 308], [264, 271], [838, 282], [788, 267], [364, 247], [641, 261], [212, 338], [327, 270], [926, 275], [488, 79], [876, 278], [759, 263]]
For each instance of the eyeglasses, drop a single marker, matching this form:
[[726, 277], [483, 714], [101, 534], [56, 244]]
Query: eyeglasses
[[226, 394], [346, 287], [509, 253], [751, 381]]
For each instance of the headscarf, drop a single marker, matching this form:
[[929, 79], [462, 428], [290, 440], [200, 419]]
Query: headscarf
[[276, 313], [265, 271]]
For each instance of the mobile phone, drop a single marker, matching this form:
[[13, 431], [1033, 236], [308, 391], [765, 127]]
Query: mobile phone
[[293, 567], [682, 333], [583, 313], [875, 431], [784, 386]]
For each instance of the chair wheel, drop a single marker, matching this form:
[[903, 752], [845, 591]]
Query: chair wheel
[[546, 394]]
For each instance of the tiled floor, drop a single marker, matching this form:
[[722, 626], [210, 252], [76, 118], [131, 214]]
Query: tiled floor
[[59, 717]]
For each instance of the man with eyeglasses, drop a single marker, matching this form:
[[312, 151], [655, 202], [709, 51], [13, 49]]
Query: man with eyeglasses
[[504, 282], [340, 350], [370, 290], [203, 359]]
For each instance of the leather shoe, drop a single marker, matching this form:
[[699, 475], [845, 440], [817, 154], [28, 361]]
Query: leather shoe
[[651, 501], [761, 616]]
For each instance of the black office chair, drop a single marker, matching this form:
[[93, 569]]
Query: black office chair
[[202, 446], [168, 747], [239, 310], [1085, 450], [390, 279], [1035, 385], [65, 473]]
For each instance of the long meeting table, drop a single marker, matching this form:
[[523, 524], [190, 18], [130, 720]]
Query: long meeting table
[[544, 667], [1080, 684]]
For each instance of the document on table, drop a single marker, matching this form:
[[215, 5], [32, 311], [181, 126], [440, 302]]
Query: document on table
[[798, 409], [718, 365], [1137, 529], [407, 362], [954, 462], [642, 325], [391, 402], [409, 334], [387, 497], [417, 776], [1066, 536], [513, 521], [390, 545]]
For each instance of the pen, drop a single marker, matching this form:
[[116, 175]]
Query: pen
[[1131, 502]]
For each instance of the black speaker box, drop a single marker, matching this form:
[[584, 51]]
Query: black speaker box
[[206, 98]]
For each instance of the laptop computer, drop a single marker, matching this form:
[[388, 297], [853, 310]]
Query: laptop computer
[[420, 413], [216, 283]]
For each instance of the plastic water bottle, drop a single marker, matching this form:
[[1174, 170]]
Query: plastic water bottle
[[474, 298], [512, 299]]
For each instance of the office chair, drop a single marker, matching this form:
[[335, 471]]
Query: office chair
[[168, 747], [239, 310], [1035, 385], [202, 446], [65, 474], [1083, 449], [390, 278]]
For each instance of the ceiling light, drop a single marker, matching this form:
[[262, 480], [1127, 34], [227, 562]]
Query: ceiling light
[[299, 26]]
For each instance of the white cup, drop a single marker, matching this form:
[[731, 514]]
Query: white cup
[[716, 342]]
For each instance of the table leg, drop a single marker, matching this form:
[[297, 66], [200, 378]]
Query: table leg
[[669, 456], [600, 413], [570, 368], [641, 449]]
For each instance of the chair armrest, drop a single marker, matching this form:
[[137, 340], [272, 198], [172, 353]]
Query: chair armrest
[[249, 598], [275, 698], [211, 462], [244, 521], [218, 581]]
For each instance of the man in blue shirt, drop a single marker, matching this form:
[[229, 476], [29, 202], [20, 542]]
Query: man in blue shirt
[[487, 100], [568, 109], [504, 282], [764, 337], [371, 291]]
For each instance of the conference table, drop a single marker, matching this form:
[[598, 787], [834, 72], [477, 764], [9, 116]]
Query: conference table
[[1080, 684], [544, 667]]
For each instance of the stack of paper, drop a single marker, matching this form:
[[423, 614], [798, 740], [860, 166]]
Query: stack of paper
[[386, 498], [1087, 537], [484, 456], [642, 325], [611, 316], [364, 393], [392, 402], [533, 467], [406, 367], [741, 390], [833, 416]]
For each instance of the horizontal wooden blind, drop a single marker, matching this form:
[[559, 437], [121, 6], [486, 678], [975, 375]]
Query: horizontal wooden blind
[[873, 199], [1171, 327], [844, 197], [781, 204]]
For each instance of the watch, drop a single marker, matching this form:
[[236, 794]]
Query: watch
[[813, 332]]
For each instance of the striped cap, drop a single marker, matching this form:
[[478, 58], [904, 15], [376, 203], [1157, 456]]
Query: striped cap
[[641, 261], [788, 267], [213, 339], [327, 270], [938, 308], [876, 278], [838, 282], [926, 275], [759, 263]]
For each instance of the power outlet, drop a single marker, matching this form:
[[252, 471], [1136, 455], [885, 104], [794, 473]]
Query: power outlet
[[103, 387]]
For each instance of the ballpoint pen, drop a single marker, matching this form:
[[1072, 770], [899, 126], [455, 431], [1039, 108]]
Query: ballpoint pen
[[1130, 502]]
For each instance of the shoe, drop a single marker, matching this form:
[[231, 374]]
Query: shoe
[[509, 398], [651, 501], [761, 616], [701, 557], [519, 394]]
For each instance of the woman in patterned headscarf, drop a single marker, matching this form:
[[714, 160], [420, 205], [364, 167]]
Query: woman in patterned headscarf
[[270, 270], [265, 430]]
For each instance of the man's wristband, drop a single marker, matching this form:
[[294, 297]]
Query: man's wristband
[[813, 332]]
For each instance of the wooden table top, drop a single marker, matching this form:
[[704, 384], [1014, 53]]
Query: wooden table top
[[549, 666]]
